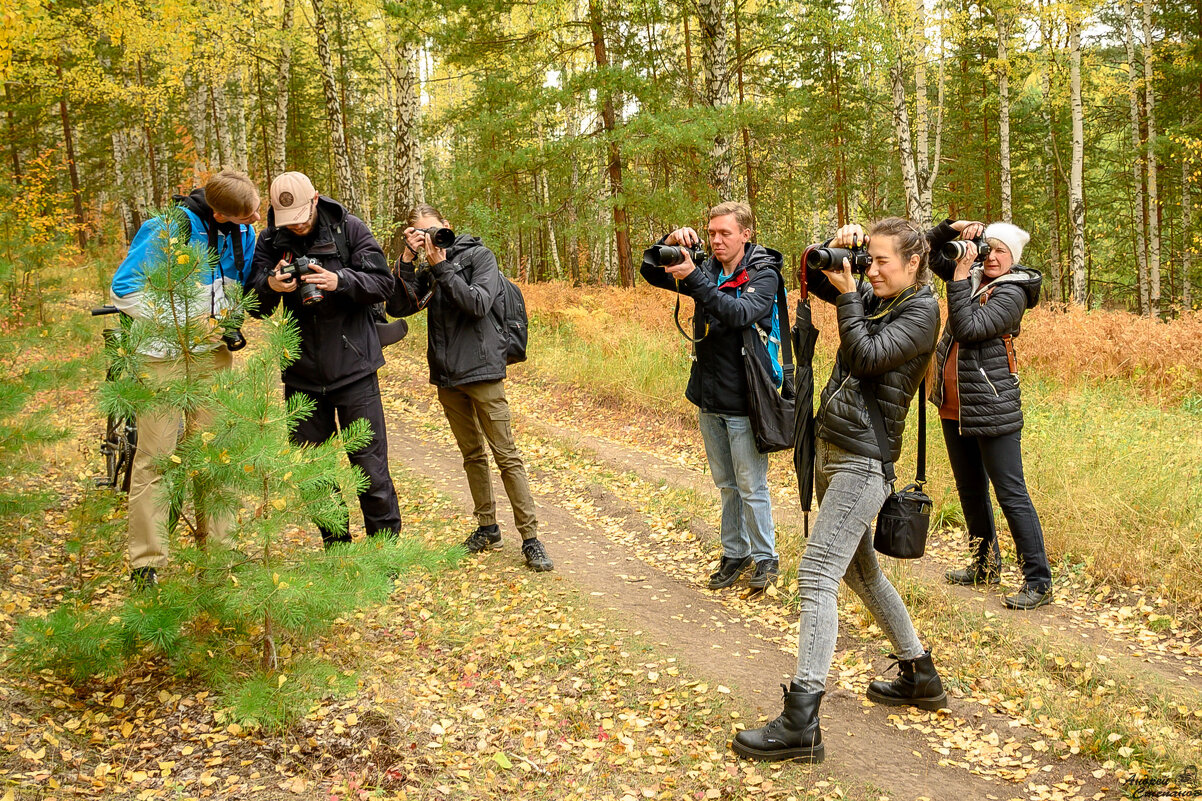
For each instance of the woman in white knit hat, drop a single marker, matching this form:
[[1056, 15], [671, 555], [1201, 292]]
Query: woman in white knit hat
[[980, 405]]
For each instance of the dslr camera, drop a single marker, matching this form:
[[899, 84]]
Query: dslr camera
[[300, 267], [441, 237], [832, 258], [955, 250], [671, 255]]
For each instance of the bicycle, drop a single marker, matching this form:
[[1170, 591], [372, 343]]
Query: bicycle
[[120, 440]]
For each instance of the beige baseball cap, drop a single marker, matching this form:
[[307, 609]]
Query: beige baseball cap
[[291, 194]]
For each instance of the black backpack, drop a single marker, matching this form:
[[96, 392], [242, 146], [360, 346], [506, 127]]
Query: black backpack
[[512, 321]]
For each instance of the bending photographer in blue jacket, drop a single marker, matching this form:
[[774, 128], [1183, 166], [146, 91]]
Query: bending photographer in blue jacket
[[980, 404], [222, 217], [733, 290]]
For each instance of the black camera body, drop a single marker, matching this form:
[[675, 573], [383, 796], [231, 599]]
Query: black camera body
[[233, 339], [299, 268], [440, 237], [832, 258], [956, 249], [671, 255]]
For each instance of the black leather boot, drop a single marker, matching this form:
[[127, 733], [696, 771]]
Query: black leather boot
[[917, 684], [793, 735]]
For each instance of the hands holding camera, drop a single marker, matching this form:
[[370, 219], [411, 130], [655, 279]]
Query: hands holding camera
[[849, 236], [686, 238], [418, 241], [969, 230], [318, 276]]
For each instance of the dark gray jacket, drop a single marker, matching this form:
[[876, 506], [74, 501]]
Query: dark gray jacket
[[983, 318], [465, 341], [339, 344], [717, 379], [890, 348]]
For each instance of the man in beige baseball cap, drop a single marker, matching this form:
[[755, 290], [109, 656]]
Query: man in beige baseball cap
[[293, 200], [322, 263]]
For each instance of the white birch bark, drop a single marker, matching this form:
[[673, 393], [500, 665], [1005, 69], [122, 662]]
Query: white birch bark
[[1153, 194], [1003, 34], [1187, 237], [279, 152], [1137, 178], [347, 191], [711, 14], [1075, 186]]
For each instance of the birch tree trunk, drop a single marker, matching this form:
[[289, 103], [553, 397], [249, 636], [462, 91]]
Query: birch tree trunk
[[1137, 181], [901, 128], [198, 122], [342, 164], [279, 154], [238, 101], [717, 87], [545, 196], [1153, 195], [121, 173], [1049, 169], [746, 131], [1075, 187], [81, 232], [609, 122], [1003, 34], [926, 169], [1187, 237], [410, 179]]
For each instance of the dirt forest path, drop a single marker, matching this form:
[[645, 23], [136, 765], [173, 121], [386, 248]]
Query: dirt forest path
[[642, 566]]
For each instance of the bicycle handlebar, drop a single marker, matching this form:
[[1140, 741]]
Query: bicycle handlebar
[[105, 310]]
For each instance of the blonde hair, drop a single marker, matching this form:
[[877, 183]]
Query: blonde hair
[[232, 194], [741, 212], [909, 239]]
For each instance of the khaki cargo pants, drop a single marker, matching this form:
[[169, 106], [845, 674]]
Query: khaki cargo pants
[[158, 434], [479, 413]]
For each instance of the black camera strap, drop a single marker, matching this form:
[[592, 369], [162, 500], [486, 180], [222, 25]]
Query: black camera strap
[[868, 390]]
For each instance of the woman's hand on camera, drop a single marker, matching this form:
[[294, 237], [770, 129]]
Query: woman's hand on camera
[[842, 280], [683, 236], [849, 236], [969, 229], [415, 242], [280, 282], [965, 262], [434, 255]]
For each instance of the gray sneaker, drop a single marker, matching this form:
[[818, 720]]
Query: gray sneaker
[[536, 556], [485, 538]]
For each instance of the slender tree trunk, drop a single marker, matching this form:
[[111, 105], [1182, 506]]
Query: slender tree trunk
[[154, 172], [1153, 194], [262, 120], [410, 178], [197, 121], [926, 168], [1049, 168], [901, 128], [347, 193], [81, 233], [121, 173], [540, 179], [1137, 180], [241, 149], [688, 57], [608, 116], [9, 100], [717, 88], [1076, 189], [747, 160], [1003, 34], [279, 154], [1187, 237]]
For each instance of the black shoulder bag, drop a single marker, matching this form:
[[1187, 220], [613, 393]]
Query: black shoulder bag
[[901, 525], [771, 411]]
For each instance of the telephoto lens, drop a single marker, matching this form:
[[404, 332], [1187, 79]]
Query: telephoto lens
[[441, 237], [832, 259], [955, 250], [671, 255]]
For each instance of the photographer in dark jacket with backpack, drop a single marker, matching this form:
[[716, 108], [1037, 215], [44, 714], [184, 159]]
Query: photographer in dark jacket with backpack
[[979, 401], [463, 289], [733, 291], [888, 326], [340, 349]]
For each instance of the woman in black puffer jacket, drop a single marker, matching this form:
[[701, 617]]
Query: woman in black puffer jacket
[[888, 326], [980, 404]]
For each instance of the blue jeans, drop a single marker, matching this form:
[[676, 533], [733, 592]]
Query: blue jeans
[[850, 489], [741, 475]]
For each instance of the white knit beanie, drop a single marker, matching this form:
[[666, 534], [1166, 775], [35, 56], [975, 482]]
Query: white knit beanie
[[1013, 237]]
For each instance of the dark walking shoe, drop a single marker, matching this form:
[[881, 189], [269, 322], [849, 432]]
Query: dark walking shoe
[[766, 572], [1028, 598], [917, 684], [793, 735], [974, 574], [536, 555], [485, 538], [143, 577], [728, 572]]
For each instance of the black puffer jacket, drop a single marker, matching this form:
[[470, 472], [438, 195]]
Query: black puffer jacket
[[890, 348], [717, 381], [339, 344], [465, 342], [983, 318]]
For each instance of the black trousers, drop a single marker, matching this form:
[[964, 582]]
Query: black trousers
[[978, 462], [357, 401]]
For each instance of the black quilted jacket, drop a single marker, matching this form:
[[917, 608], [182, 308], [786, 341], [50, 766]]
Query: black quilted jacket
[[890, 348], [979, 317]]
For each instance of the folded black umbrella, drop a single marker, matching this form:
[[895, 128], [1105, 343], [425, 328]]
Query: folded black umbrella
[[804, 335]]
